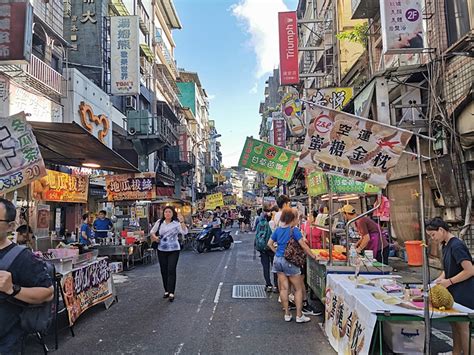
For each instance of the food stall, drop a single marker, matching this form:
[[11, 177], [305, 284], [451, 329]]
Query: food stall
[[333, 257]]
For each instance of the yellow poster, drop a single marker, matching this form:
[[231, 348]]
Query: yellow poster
[[61, 187], [214, 200], [271, 181]]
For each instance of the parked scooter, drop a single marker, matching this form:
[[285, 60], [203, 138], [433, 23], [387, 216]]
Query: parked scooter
[[204, 239]]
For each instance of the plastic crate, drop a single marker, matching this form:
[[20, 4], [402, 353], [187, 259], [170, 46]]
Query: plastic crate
[[405, 337]]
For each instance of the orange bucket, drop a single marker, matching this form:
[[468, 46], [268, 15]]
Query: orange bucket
[[414, 252]]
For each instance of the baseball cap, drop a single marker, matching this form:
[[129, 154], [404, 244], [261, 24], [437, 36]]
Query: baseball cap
[[347, 209]]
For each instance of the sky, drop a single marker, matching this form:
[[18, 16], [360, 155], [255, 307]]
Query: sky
[[233, 46]]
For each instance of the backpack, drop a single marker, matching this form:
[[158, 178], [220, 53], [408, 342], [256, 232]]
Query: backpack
[[34, 318], [262, 236]]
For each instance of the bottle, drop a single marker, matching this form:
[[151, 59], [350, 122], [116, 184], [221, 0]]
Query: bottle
[[352, 255], [406, 293]]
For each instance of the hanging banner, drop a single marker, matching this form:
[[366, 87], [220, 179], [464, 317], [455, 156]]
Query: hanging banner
[[279, 133], [124, 53], [20, 157], [214, 200], [130, 187], [344, 144], [85, 287], [61, 187], [230, 202], [316, 183], [288, 33], [292, 111], [269, 159], [402, 26], [335, 98]]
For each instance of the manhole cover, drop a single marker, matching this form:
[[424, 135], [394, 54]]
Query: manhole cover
[[248, 291]]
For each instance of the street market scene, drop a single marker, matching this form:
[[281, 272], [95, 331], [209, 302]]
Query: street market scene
[[236, 177]]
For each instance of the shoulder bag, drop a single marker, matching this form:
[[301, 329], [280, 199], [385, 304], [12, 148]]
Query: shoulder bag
[[294, 253]]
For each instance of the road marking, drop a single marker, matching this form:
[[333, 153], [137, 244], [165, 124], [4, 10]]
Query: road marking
[[218, 292], [200, 305], [440, 335], [178, 350]]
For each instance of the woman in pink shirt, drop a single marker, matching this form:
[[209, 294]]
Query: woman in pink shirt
[[313, 235]]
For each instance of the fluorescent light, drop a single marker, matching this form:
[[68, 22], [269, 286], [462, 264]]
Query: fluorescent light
[[91, 165]]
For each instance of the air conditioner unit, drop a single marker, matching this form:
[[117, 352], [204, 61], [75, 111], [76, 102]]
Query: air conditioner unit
[[131, 102]]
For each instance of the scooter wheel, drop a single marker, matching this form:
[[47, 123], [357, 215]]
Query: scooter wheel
[[200, 247], [227, 244]]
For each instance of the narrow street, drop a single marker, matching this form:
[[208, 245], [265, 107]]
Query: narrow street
[[204, 319]]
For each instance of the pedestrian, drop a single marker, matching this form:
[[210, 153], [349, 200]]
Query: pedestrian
[[289, 273], [102, 225], [283, 201], [273, 212], [25, 236], [262, 236], [166, 232], [26, 281], [312, 234], [241, 219], [85, 238], [457, 277]]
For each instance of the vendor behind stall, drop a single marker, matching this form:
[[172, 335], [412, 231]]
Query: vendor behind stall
[[85, 237], [370, 233], [25, 236], [102, 225]]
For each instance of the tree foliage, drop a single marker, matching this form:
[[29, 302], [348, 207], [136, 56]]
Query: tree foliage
[[359, 34]]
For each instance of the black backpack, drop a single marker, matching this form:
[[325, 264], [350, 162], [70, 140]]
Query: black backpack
[[34, 318]]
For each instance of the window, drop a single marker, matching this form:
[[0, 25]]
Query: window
[[457, 19]]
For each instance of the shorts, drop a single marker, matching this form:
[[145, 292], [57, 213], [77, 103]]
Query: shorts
[[280, 264]]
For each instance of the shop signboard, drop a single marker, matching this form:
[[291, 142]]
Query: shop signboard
[[279, 132], [20, 156], [292, 111], [85, 287], [288, 33], [268, 159], [271, 181], [402, 26], [16, 36], [230, 202], [61, 187], [214, 200], [125, 66], [335, 98], [130, 187], [316, 183], [343, 144]]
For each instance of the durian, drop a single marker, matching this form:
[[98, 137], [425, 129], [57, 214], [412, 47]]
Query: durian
[[440, 297]]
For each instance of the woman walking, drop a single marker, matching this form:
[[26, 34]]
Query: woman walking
[[262, 236], [165, 232], [457, 277], [289, 273]]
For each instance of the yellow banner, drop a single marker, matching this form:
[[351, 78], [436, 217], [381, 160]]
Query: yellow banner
[[61, 187], [214, 200]]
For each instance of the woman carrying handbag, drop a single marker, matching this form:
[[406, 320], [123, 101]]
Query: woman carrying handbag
[[289, 253]]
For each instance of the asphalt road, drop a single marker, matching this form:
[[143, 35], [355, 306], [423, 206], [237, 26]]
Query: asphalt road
[[204, 318]]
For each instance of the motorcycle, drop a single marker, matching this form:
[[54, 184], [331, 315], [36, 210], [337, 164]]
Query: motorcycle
[[203, 240]]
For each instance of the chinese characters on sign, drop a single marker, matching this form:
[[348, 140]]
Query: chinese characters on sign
[[347, 145], [16, 37], [288, 32], [335, 98], [20, 158], [214, 200], [57, 186], [269, 159], [125, 79], [402, 26], [279, 132], [130, 187]]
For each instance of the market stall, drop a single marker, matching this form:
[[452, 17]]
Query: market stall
[[363, 312]]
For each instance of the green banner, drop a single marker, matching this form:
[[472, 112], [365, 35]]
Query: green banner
[[317, 185], [269, 159]]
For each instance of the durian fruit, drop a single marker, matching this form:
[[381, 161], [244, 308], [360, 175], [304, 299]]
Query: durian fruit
[[440, 297]]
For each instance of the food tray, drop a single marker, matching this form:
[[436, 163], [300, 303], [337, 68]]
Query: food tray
[[86, 257], [62, 265]]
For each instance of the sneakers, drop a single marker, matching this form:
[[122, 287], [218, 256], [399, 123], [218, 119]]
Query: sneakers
[[302, 319], [308, 310], [291, 305], [275, 289], [269, 288], [289, 317]]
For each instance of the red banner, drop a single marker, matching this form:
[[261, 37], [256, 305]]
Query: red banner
[[279, 133], [288, 32], [16, 37]]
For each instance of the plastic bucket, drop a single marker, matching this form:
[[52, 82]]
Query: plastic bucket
[[414, 252]]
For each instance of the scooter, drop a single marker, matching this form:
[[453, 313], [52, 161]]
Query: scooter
[[204, 238]]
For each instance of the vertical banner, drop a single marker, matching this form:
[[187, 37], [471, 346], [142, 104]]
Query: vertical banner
[[288, 33], [279, 132], [16, 36], [402, 26], [125, 66]]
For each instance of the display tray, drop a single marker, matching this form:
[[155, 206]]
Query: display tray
[[85, 258]]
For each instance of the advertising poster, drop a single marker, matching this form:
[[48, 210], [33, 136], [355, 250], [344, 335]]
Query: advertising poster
[[288, 34], [316, 183], [214, 200], [20, 157], [61, 187], [268, 159], [130, 187], [347, 145], [85, 287], [402, 26], [292, 111], [271, 181], [230, 202], [125, 66], [335, 98], [279, 132]]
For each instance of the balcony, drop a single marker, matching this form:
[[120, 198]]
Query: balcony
[[179, 161], [39, 76], [164, 173], [167, 85], [142, 125], [144, 19], [165, 52], [363, 9]]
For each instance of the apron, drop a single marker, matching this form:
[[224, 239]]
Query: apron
[[374, 243]]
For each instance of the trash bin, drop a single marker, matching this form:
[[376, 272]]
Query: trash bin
[[414, 251]]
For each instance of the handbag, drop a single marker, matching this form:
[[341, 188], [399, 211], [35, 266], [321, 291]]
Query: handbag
[[294, 253]]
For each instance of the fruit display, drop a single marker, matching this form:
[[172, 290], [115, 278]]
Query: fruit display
[[337, 255], [441, 298]]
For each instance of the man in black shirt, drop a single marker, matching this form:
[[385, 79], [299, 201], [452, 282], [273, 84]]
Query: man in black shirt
[[25, 281]]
